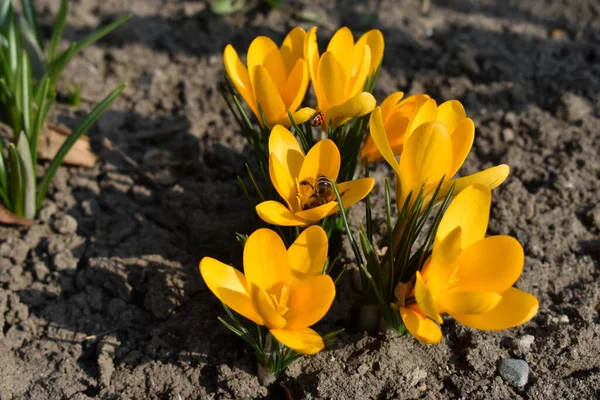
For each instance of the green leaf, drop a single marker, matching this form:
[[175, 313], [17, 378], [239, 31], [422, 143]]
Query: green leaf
[[77, 132], [13, 42], [3, 178], [29, 179], [100, 33], [59, 26], [30, 43], [42, 111], [226, 7], [25, 93], [16, 181], [29, 14]]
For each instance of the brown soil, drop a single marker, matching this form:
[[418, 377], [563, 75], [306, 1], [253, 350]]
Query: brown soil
[[102, 298]]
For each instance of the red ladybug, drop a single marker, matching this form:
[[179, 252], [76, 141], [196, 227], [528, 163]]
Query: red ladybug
[[317, 119]]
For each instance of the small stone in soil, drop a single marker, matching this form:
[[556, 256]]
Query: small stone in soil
[[563, 320], [67, 225], [514, 371], [523, 343]]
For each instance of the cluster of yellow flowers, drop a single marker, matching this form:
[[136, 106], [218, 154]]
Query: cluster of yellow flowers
[[464, 274]]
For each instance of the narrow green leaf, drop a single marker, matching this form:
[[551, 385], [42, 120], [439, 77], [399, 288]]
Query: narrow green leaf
[[28, 170], [13, 42], [5, 7], [3, 178], [59, 26], [29, 14], [77, 132], [40, 116], [17, 182], [25, 93], [101, 32]]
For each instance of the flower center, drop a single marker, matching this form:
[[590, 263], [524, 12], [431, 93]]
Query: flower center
[[280, 295]]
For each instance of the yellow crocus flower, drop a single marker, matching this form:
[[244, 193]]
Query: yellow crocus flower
[[435, 146], [399, 117], [294, 176], [276, 78], [468, 276], [282, 289], [339, 75]]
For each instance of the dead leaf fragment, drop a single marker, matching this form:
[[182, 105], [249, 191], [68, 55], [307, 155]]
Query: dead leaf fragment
[[53, 138], [7, 217]]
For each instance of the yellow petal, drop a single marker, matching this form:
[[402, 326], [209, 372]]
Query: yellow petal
[[388, 105], [470, 210], [308, 253], [427, 112], [275, 213], [373, 39], [303, 341], [450, 113], [351, 193], [311, 55], [303, 115], [309, 301], [283, 182], [230, 286], [239, 76], [295, 86], [426, 157], [462, 141], [264, 52], [493, 264], [438, 271], [357, 83], [323, 158], [339, 46], [292, 48], [354, 107], [516, 308], [425, 299], [265, 259], [379, 137], [284, 145], [332, 81], [491, 177], [267, 95], [468, 302], [266, 308], [421, 327]]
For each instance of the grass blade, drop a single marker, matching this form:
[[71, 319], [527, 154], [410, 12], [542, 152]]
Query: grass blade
[[77, 132], [29, 179], [16, 184], [59, 26], [29, 14], [100, 33], [42, 111], [25, 93]]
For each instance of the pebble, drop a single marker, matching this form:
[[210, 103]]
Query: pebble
[[514, 371], [523, 343], [508, 135], [563, 320], [67, 225]]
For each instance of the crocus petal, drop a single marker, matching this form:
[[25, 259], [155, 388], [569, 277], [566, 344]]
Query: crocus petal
[[441, 265], [380, 139], [425, 299], [462, 140], [427, 112], [308, 253], [311, 56], [284, 145], [357, 83], [295, 86], [239, 76], [351, 192], [323, 158], [332, 81], [264, 52], [303, 115], [230, 286], [491, 177], [493, 264], [265, 259], [470, 210], [267, 95], [283, 182], [265, 307], [421, 327], [373, 39], [354, 107], [468, 302], [516, 308], [388, 105], [309, 301], [275, 213], [303, 341], [292, 48], [450, 113], [340, 45], [426, 157]]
